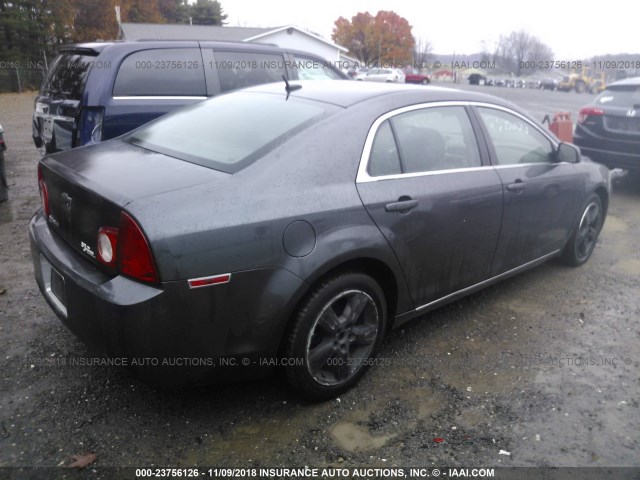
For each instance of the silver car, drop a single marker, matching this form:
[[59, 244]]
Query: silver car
[[388, 75]]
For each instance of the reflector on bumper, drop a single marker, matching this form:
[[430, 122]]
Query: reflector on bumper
[[208, 281]]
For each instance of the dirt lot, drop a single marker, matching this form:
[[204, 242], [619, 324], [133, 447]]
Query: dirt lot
[[543, 366]]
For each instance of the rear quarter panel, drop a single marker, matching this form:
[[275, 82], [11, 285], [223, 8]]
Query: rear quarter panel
[[239, 225]]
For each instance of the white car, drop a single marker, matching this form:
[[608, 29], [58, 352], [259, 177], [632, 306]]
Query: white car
[[388, 75]]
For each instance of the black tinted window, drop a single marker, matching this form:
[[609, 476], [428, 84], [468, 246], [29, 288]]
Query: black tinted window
[[246, 69], [229, 132], [67, 76], [162, 72]]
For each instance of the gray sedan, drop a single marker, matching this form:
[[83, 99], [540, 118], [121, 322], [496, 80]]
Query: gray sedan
[[290, 226]]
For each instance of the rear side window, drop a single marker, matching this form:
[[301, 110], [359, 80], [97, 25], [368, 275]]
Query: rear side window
[[67, 76], [384, 159], [310, 69], [623, 96], [229, 132], [424, 140], [246, 69], [161, 72]]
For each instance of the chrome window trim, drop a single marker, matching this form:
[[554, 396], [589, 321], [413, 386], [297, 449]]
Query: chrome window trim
[[161, 97], [364, 177]]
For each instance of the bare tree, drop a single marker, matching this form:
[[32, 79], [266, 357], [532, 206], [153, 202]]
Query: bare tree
[[519, 52], [421, 52]]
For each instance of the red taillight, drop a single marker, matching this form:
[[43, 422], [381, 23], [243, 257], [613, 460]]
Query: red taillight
[[587, 112], [108, 245], [44, 193], [134, 254]]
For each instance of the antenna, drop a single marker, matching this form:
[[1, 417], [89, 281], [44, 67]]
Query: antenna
[[289, 88]]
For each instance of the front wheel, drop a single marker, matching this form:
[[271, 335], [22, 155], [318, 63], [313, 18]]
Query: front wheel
[[335, 335], [583, 239]]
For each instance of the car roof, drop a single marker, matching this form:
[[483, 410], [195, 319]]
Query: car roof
[[97, 47], [350, 92], [633, 81]]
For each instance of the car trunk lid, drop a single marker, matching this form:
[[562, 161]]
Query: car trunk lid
[[88, 188], [620, 113]]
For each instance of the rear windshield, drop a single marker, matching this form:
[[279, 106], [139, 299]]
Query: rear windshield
[[229, 132], [67, 75], [627, 96]]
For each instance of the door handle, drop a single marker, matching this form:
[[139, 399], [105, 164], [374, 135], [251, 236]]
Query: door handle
[[404, 204], [516, 187]]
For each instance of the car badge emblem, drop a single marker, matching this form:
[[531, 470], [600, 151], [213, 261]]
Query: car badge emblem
[[631, 113]]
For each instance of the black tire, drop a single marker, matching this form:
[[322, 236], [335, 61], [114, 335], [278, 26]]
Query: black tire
[[580, 87], [324, 329], [425, 81], [585, 235]]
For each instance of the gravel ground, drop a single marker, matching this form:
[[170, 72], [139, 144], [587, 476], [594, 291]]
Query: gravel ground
[[543, 366]]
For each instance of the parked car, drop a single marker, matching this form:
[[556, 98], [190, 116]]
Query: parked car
[[549, 84], [477, 79], [4, 186], [413, 75], [388, 75], [232, 233], [98, 91], [608, 129], [360, 73]]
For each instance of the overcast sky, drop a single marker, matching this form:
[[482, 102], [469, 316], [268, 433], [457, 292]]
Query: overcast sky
[[573, 29]]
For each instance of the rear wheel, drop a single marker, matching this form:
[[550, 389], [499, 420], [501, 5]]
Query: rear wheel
[[334, 335], [583, 239], [580, 87], [425, 81]]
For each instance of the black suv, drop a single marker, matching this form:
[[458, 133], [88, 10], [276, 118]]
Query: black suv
[[98, 91], [608, 129]]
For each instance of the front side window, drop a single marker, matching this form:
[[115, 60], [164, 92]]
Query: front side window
[[424, 140], [229, 132], [514, 140], [246, 69], [161, 72]]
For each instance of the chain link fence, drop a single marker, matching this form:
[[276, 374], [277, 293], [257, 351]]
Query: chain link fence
[[20, 76]]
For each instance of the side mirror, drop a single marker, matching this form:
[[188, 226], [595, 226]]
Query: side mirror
[[567, 152]]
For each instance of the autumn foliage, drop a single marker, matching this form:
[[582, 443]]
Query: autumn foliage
[[29, 28], [383, 39]]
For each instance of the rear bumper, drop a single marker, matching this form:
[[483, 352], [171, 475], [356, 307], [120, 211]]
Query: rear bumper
[[168, 333], [612, 153]]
